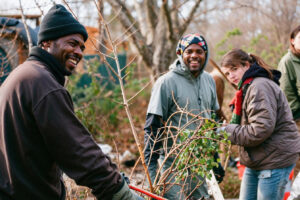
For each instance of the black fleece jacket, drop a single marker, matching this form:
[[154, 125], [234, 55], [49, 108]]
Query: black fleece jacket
[[40, 136]]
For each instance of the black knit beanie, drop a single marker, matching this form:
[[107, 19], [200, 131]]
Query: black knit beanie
[[59, 22]]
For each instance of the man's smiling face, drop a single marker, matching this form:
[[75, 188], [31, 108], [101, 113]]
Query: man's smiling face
[[194, 58], [68, 50]]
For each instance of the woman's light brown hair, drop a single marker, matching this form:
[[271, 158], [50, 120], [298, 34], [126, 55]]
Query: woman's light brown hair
[[238, 57]]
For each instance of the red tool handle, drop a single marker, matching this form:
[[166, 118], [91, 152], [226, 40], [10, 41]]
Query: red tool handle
[[146, 193]]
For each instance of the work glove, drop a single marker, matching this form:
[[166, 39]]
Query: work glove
[[220, 129], [125, 193]]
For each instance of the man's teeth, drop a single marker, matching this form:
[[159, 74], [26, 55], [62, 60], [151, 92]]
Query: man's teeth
[[73, 61]]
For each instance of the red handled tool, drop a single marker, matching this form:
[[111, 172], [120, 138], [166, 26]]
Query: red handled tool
[[146, 193]]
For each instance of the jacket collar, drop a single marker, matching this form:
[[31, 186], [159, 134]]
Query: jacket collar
[[256, 70], [294, 58], [51, 63], [180, 68]]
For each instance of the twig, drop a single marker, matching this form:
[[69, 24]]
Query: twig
[[118, 155], [114, 17], [184, 26], [26, 28], [102, 54], [124, 33], [139, 91], [127, 36], [123, 77], [102, 45], [129, 63], [227, 158], [135, 165], [39, 7]]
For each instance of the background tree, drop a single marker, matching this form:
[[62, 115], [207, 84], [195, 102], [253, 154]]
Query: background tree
[[155, 28], [264, 27]]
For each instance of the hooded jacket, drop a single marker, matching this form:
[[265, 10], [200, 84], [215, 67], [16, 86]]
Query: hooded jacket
[[290, 81], [267, 136], [180, 88], [40, 136]]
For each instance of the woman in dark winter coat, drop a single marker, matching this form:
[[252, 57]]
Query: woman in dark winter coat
[[262, 126]]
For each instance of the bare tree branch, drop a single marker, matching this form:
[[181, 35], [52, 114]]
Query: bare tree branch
[[142, 89], [262, 11], [26, 28], [187, 22], [124, 33], [165, 7], [141, 17], [174, 14], [126, 15], [102, 34], [128, 64], [138, 39], [177, 4], [39, 7], [151, 14]]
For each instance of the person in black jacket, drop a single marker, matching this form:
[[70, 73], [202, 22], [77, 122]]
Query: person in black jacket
[[40, 136]]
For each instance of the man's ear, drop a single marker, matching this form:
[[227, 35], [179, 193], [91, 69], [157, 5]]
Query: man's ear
[[46, 45]]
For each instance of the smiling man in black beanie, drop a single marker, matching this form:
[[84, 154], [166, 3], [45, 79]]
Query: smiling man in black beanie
[[39, 132]]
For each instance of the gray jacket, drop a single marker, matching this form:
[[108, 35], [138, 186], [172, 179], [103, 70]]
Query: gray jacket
[[179, 88], [268, 136]]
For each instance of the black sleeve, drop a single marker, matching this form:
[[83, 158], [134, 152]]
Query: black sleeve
[[152, 138], [72, 147], [218, 171]]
